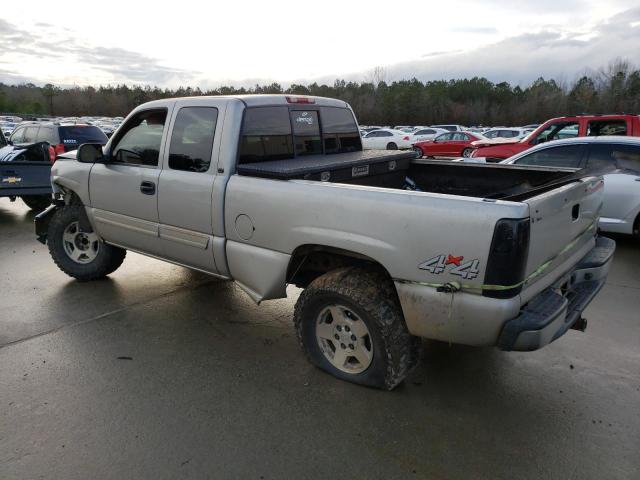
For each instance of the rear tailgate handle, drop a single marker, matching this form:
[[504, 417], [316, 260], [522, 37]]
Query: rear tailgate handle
[[575, 211], [148, 188]]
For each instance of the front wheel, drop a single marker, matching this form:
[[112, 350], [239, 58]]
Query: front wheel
[[37, 203], [467, 152], [350, 325], [418, 152], [79, 252]]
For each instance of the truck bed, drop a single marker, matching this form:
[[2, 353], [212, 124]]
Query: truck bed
[[391, 169]]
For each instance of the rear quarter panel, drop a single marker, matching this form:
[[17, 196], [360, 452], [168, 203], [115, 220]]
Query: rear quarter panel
[[398, 229]]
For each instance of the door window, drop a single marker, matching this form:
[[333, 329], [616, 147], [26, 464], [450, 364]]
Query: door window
[[444, 137], [18, 135], [606, 127], [460, 137], [556, 131], [46, 134], [30, 135], [611, 157], [192, 139], [139, 140], [564, 156]]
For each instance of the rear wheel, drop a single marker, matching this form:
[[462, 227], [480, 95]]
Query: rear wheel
[[392, 146], [37, 203], [467, 152], [350, 324], [636, 228], [80, 253]]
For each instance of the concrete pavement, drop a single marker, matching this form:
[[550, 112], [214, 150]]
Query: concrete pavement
[[160, 372]]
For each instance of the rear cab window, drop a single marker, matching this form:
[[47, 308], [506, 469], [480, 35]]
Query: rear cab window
[[285, 132]]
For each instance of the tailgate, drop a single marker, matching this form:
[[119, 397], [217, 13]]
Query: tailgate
[[563, 222], [24, 175]]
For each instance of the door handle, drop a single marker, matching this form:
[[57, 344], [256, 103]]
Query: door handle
[[148, 188], [637, 179]]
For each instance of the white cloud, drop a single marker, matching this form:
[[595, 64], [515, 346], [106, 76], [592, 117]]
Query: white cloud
[[208, 44]]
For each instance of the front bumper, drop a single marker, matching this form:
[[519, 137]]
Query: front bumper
[[551, 313], [42, 220]]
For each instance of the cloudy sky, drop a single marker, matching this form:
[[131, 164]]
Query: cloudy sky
[[241, 42]]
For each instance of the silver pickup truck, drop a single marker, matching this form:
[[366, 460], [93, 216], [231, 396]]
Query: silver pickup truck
[[271, 190]]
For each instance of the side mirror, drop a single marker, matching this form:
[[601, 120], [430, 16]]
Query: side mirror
[[90, 153]]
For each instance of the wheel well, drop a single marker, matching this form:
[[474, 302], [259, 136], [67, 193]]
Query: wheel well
[[308, 262]]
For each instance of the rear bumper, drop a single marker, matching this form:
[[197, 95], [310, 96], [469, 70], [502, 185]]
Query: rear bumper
[[551, 313]]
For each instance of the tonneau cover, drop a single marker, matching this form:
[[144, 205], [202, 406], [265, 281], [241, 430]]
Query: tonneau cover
[[325, 167]]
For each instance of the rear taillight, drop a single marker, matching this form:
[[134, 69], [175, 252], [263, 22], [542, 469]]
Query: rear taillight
[[304, 100], [507, 257], [59, 149], [405, 138], [52, 154]]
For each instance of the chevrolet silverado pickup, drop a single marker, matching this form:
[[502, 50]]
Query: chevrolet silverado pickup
[[558, 129], [272, 190]]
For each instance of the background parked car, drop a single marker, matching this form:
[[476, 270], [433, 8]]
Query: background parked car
[[505, 133], [616, 158], [450, 128], [386, 139], [426, 133], [62, 137], [25, 172], [560, 128], [451, 144]]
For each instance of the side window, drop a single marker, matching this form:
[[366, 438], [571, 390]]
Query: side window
[[565, 156], [460, 137], [386, 134], [139, 140], [444, 137], [30, 135], [18, 135], [492, 134], [192, 139], [556, 131], [606, 127], [306, 132], [46, 134], [266, 135], [607, 158]]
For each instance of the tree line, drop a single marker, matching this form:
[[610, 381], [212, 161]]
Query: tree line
[[474, 101]]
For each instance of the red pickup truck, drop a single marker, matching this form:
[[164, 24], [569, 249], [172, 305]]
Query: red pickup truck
[[557, 128]]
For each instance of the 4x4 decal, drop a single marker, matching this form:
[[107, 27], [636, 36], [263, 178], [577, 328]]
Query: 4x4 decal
[[438, 264]]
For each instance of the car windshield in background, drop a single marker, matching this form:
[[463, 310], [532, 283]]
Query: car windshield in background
[[79, 134]]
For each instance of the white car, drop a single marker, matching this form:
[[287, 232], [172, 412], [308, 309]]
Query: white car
[[505, 133], [386, 139], [616, 158], [426, 133], [450, 128]]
